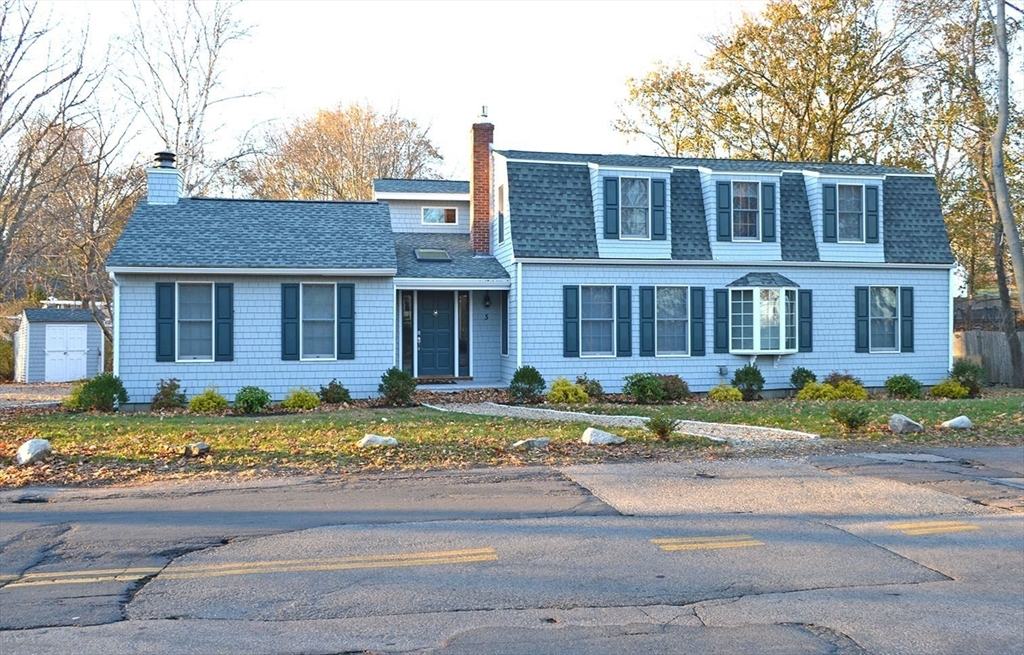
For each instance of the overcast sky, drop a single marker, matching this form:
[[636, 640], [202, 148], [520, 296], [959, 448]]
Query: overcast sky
[[550, 73]]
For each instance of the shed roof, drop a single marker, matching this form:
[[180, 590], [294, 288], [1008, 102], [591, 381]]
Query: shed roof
[[54, 315]]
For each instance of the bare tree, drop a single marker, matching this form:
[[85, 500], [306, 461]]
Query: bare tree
[[174, 78]]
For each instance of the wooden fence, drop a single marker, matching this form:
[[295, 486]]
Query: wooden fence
[[991, 349]]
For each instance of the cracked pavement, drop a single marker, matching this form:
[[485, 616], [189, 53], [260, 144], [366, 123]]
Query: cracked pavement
[[870, 553]]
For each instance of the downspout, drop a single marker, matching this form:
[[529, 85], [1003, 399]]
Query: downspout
[[519, 315]]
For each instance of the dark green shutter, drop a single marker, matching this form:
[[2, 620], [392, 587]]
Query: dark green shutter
[[806, 315], [828, 208], [767, 212], [721, 320], [501, 227], [504, 322], [906, 319], [346, 321], [863, 326], [658, 210], [623, 322], [697, 321], [570, 321], [224, 324], [871, 214], [289, 321], [647, 321], [611, 208], [724, 203], [165, 321]]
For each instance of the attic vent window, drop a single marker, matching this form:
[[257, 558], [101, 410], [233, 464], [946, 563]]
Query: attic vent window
[[432, 255]]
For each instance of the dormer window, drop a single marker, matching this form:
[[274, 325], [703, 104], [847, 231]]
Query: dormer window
[[634, 208], [746, 211], [851, 213], [440, 216]]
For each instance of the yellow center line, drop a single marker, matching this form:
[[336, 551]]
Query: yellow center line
[[299, 568], [79, 580], [712, 546], [335, 560], [92, 572], [948, 528], [932, 527], [706, 543]]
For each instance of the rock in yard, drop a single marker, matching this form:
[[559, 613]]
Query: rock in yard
[[537, 443], [197, 449], [959, 423], [32, 451], [900, 424], [376, 440], [596, 437]]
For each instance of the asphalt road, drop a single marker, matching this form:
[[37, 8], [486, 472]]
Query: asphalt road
[[871, 553]]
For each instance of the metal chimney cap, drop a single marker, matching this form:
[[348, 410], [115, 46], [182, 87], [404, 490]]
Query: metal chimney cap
[[165, 159]]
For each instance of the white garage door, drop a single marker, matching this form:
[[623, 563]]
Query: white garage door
[[65, 352]]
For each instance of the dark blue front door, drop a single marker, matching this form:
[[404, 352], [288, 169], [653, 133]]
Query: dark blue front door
[[436, 319]]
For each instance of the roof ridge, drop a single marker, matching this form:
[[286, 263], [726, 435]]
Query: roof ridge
[[312, 202]]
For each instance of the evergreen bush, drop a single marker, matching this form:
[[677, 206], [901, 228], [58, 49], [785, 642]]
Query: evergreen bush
[[208, 401], [102, 393], [527, 385], [801, 376], [397, 387], [169, 395], [645, 388], [301, 398], [335, 393], [251, 400], [903, 386], [749, 381], [725, 393], [565, 392]]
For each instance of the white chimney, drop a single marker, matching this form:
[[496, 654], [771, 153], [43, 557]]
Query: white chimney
[[163, 181]]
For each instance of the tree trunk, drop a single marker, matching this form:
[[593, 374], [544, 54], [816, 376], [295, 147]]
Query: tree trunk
[[1009, 317]]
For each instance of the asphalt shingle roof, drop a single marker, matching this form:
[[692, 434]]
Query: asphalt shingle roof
[[222, 233], [388, 185], [796, 234], [763, 280], [463, 264], [552, 211], [55, 315], [689, 224], [914, 232]]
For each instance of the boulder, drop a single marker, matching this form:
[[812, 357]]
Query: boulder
[[376, 440], [596, 437], [959, 423], [197, 449], [900, 424], [33, 450], [537, 443]]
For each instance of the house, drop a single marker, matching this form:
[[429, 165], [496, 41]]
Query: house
[[603, 265], [57, 345]]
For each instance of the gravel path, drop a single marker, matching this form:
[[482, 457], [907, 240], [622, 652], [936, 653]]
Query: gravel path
[[17, 394], [739, 436]]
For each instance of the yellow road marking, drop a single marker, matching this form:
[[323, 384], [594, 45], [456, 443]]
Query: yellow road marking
[[93, 572], [932, 527], [706, 543], [8, 577]]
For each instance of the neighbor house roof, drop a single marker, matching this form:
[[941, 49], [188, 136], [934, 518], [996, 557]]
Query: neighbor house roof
[[387, 185], [53, 315], [464, 263], [257, 234]]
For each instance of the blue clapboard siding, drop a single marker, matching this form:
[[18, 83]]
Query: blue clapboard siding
[[833, 325], [844, 252], [257, 347], [407, 216], [486, 327]]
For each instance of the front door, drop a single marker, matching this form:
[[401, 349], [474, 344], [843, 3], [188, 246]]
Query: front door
[[436, 324]]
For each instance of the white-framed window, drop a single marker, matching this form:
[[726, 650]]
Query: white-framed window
[[850, 214], [746, 211], [672, 321], [194, 318], [634, 208], [317, 324], [884, 315], [762, 320], [597, 321], [440, 216]]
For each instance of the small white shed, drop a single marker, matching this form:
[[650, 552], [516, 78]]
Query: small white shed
[[57, 345]]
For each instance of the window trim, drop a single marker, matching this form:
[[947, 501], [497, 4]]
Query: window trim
[[334, 322], [732, 212], [213, 322], [897, 317], [423, 216], [863, 216], [622, 236], [689, 345], [757, 350], [611, 319]]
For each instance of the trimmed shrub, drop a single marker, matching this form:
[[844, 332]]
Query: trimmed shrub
[[801, 376], [527, 385], [725, 393], [851, 390], [593, 388], [835, 378], [969, 374], [102, 393], [903, 386], [749, 381], [950, 388], [208, 401], [301, 398], [817, 391], [169, 395], [565, 392], [6, 359], [852, 416], [661, 425], [251, 400], [334, 393], [397, 386], [674, 388], [645, 388]]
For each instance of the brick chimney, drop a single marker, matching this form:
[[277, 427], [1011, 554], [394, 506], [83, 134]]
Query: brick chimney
[[163, 181], [480, 188]]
